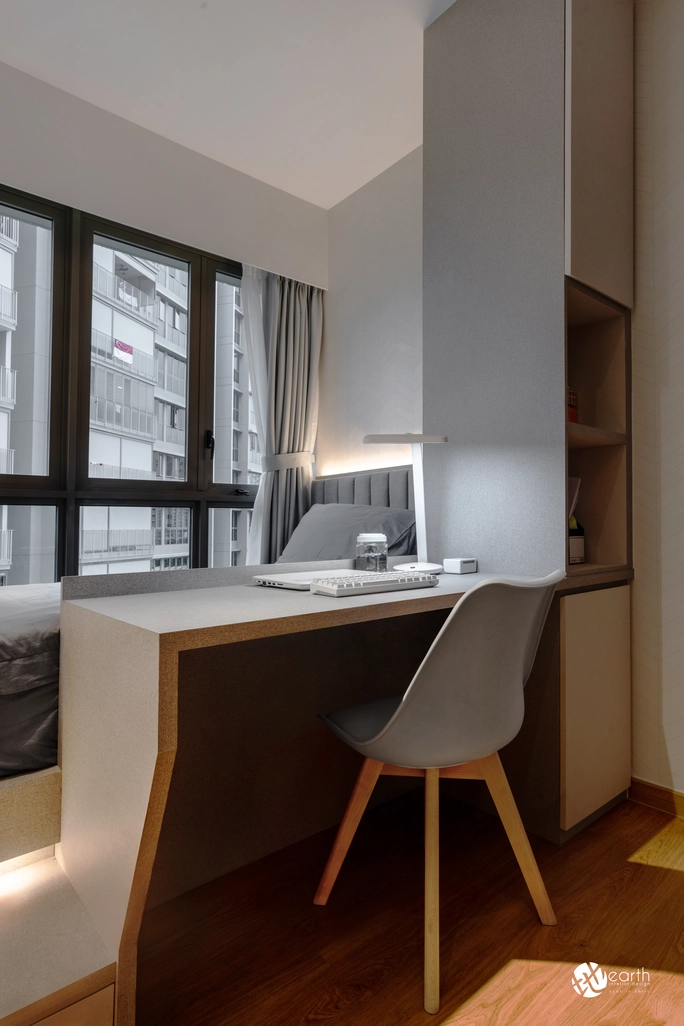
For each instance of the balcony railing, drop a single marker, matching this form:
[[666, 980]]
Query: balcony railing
[[171, 334], [175, 285], [98, 544], [9, 229], [8, 306], [6, 461], [8, 385], [122, 292], [119, 473], [140, 364], [5, 548]]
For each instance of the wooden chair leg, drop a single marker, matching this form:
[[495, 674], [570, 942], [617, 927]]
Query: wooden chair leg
[[363, 789], [500, 791], [431, 967]]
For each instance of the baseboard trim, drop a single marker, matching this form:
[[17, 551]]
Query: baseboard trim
[[662, 798]]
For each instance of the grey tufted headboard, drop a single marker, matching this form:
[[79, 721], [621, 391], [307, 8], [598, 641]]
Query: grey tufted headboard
[[391, 487]]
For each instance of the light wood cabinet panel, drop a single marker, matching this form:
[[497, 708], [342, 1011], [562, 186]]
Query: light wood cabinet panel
[[599, 146], [95, 1010], [595, 701]]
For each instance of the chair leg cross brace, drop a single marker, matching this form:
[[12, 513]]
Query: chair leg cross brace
[[488, 769]]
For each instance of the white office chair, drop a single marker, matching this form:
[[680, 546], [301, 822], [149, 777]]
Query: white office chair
[[464, 703]]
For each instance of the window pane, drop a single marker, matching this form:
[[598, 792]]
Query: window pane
[[27, 544], [133, 539], [25, 341], [138, 389], [235, 461], [228, 533]]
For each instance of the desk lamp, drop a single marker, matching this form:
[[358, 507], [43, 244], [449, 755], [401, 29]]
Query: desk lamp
[[416, 442]]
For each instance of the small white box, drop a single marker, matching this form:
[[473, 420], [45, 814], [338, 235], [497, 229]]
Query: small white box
[[460, 566], [576, 549]]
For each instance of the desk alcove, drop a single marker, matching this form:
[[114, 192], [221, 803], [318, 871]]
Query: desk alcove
[[191, 745], [190, 741]]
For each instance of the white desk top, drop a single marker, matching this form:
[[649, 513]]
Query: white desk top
[[175, 611]]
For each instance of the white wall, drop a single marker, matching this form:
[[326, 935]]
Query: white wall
[[69, 151], [658, 387], [371, 372]]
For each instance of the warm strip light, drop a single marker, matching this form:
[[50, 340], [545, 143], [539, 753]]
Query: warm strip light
[[20, 880], [10, 865], [335, 469]]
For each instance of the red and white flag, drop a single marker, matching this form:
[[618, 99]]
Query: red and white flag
[[123, 351]]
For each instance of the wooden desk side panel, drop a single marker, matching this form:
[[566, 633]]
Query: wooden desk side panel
[[30, 811], [595, 701], [109, 681], [96, 1010], [256, 769]]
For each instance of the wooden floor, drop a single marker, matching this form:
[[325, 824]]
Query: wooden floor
[[251, 949]]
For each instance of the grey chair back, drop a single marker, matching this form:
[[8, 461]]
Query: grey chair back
[[466, 699]]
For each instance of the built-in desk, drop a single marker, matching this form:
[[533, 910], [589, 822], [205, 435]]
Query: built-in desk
[[190, 742]]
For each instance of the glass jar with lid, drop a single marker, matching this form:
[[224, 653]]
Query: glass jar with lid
[[371, 552]]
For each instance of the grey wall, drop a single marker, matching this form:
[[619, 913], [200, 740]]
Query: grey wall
[[371, 363], [493, 302], [66, 150]]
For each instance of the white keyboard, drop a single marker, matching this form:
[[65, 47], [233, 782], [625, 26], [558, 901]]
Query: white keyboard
[[368, 583]]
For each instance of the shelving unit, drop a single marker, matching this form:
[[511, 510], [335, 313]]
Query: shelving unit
[[599, 446]]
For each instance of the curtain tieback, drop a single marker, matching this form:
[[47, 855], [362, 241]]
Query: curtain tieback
[[286, 460]]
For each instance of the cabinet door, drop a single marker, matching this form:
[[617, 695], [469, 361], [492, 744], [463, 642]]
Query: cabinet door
[[599, 145], [595, 701], [95, 1010]]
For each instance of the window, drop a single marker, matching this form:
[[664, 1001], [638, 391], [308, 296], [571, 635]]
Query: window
[[135, 490], [26, 273], [228, 536], [129, 539], [28, 544], [236, 407], [129, 361]]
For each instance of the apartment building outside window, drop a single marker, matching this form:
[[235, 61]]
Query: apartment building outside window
[[138, 477]]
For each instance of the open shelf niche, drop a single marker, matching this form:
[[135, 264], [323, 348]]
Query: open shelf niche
[[599, 444]]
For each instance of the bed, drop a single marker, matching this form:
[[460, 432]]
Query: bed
[[341, 507], [349, 504], [29, 677]]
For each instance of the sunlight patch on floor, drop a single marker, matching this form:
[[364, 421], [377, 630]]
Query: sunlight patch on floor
[[530, 993], [665, 850]]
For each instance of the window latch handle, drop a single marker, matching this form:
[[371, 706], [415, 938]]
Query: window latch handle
[[209, 441], [240, 491]]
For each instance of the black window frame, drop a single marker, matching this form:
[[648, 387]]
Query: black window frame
[[67, 485]]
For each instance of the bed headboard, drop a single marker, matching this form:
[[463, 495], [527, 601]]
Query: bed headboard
[[391, 487]]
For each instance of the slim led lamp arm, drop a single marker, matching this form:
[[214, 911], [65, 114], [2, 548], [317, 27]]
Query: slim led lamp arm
[[416, 442]]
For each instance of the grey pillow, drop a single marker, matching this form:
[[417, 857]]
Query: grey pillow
[[329, 530]]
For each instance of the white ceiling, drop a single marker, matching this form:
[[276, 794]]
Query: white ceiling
[[315, 97]]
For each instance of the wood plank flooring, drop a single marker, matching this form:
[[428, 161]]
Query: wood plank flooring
[[252, 948]]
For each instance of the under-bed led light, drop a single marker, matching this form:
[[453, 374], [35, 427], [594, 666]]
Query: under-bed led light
[[19, 880]]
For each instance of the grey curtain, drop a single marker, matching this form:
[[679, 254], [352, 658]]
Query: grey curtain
[[284, 363]]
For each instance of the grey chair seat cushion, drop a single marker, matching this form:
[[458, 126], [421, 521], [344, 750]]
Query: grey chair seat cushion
[[362, 722]]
